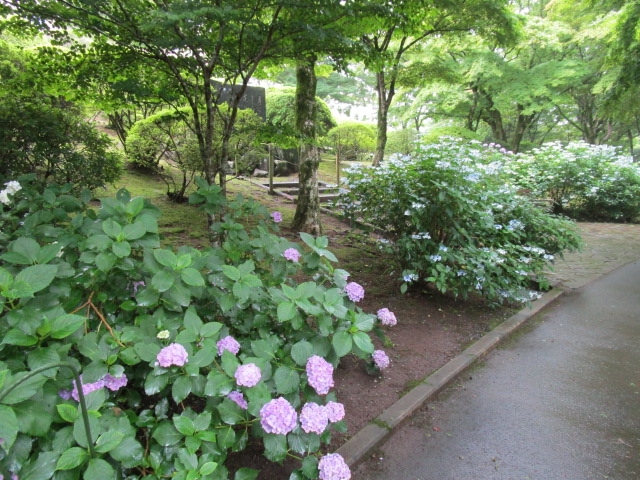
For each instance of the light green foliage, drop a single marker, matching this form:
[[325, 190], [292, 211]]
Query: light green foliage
[[435, 134], [452, 220], [401, 141], [93, 289], [352, 141], [46, 135], [586, 182], [281, 114], [167, 139]]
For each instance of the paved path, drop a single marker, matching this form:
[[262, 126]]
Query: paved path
[[607, 246], [561, 402]]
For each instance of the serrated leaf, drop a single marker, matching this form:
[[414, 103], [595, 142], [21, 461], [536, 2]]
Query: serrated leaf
[[37, 277], [275, 447], [25, 390], [218, 384], [184, 425], [210, 329], [72, 458], [65, 325], [121, 249], [99, 468], [231, 272], [105, 261], [208, 468], [155, 383], [68, 413], [192, 277], [8, 426], [203, 358], [112, 228], [363, 342], [108, 441], [129, 453], [287, 380], [165, 257], [191, 320], [342, 343], [246, 474], [134, 231], [27, 247], [19, 338], [301, 352], [163, 280], [181, 388], [286, 311], [167, 435]]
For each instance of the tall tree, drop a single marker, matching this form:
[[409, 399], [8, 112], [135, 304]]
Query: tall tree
[[209, 49], [396, 30]]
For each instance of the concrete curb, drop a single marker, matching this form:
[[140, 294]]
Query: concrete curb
[[363, 443]]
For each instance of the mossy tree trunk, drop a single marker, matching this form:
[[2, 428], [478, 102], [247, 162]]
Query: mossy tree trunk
[[307, 218]]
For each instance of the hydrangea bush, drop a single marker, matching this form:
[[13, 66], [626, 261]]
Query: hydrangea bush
[[120, 358], [587, 182], [451, 219]]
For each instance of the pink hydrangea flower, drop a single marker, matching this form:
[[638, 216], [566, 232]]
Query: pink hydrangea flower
[[87, 388], [335, 411], [173, 354], [333, 467], [278, 416], [291, 254], [319, 374], [114, 383], [248, 375], [228, 343], [387, 317], [239, 399], [354, 291], [380, 359], [276, 216], [313, 418]]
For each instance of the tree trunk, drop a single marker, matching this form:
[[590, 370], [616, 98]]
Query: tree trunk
[[384, 100], [306, 218]]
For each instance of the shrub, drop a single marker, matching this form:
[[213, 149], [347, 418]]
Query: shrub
[[166, 138], [400, 142], [353, 141], [51, 139], [452, 221], [44, 134], [183, 354], [434, 135], [583, 181], [281, 115]]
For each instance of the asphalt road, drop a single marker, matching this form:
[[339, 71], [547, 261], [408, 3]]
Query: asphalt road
[[560, 401]]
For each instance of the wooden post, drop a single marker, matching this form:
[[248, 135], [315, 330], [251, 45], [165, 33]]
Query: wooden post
[[338, 161], [271, 169]]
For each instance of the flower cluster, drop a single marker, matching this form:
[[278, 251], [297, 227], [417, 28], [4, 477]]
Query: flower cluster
[[314, 418], [276, 216], [228, 343], [238, 397], [333, 467], [354, 291], [108, 381], [387, 317], [174, 354], [277, 416], [291, 254], [248, 375], [320, 374], [380, 359], [12, 188]]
